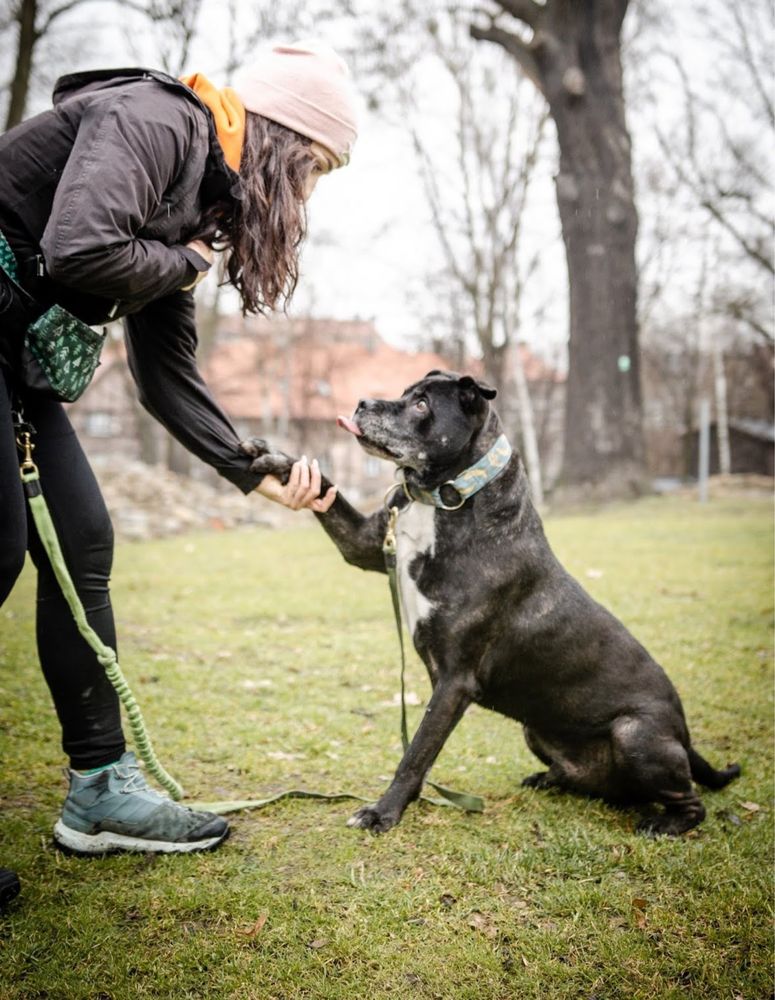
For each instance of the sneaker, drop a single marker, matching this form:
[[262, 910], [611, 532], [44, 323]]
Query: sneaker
[[9, 887], [116, 810]]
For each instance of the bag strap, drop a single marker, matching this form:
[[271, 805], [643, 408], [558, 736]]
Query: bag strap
[[10, 265], [8, 260]]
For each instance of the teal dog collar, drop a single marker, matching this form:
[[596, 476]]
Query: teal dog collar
[[470, 481]]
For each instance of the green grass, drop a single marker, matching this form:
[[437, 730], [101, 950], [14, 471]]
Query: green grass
[[262, 661]]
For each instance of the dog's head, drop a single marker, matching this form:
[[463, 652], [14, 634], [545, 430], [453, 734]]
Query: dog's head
[[430, 426]]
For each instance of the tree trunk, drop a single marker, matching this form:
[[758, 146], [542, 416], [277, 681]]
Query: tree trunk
[[20, 84], [603, 433], [574, 59]]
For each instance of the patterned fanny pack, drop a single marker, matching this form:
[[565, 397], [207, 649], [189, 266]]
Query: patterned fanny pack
[[60, 352]]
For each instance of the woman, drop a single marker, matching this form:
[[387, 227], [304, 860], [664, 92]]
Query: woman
[[112, 203]]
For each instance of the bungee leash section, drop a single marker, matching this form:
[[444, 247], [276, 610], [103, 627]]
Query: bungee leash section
[[30, 476], [105, 655]]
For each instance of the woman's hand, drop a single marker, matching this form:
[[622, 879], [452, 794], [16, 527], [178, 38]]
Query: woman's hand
[[206, 253], [302, 490]]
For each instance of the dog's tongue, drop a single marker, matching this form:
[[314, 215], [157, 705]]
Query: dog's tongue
[[349, 425]]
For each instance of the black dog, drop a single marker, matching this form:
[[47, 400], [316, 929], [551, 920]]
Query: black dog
[[499, 622]]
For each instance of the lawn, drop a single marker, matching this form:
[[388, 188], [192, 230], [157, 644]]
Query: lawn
[[263, 662]]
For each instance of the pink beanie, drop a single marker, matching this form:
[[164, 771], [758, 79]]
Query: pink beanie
[[306, 87]]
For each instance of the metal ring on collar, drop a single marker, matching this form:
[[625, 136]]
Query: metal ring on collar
[[450, 482], [391, 489]]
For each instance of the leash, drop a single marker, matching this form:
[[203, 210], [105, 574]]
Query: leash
[[106, 656], [463, 800]]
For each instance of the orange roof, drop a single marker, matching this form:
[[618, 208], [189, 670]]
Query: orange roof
[[319, 375], [312, 369]]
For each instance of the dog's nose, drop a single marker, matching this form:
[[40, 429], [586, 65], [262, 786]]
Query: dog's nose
[[363, 404]]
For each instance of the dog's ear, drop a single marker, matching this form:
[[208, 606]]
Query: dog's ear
[[473, 392]]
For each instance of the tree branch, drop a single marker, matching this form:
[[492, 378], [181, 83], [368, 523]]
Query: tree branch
[[64, 8], [524, 10], [514, 46]]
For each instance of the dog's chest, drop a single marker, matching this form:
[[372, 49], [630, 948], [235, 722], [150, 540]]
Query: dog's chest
[[415, 536]]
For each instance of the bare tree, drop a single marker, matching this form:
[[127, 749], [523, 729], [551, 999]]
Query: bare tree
[[719, 151], [36, 20], [31, 20], [570, 50], [479, 218], [477, 148]]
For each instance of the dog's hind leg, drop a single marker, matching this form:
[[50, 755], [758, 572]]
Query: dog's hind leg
[[655, 767], [541, 779]]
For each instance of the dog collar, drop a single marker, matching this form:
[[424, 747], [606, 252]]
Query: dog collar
[[470, 481]]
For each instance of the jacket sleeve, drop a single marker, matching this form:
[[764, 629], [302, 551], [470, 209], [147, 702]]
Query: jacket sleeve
[[126, 154], [161, 347]]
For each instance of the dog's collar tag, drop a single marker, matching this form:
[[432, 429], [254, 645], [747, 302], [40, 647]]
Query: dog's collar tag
[[470, 481]]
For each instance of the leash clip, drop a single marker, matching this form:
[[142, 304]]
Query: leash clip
[[25, 444], [389, 544]]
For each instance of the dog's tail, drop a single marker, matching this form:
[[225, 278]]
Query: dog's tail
[[707, 775]]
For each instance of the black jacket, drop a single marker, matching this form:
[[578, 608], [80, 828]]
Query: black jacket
[[104, 190]]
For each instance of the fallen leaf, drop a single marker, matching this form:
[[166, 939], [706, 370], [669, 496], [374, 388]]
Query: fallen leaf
[[482, 923], [639, 912], [753, 807], [317, 943], [256, 928], [446, 900]]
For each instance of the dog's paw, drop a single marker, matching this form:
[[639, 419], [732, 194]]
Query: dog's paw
[[669, 824], [274, 463], [253, 447], [370, 818], [541, 779]]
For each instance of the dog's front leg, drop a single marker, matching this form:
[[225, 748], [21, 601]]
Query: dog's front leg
[[358, 538], [449, 701]]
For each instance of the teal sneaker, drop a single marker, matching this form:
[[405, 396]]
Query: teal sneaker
[[116, 810]]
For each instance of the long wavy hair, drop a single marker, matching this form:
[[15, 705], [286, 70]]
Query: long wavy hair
[[266, 227]]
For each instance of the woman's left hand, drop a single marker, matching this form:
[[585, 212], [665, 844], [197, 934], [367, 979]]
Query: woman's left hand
[[302, 490]]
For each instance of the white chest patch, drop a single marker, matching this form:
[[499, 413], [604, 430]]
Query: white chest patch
[[415, 535]]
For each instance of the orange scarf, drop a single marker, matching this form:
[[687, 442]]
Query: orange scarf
[[228, 112]]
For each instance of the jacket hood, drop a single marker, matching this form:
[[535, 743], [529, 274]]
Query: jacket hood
[[104, 79], [219, 181]]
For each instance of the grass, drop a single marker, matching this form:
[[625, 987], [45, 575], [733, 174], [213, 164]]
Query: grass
[[262, 661]]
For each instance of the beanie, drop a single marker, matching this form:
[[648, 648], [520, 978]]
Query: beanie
[[306, 87]]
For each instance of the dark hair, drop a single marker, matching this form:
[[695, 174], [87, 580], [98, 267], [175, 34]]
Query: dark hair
[[266, 228]]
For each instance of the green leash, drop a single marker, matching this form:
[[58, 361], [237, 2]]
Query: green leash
[[106, 656]]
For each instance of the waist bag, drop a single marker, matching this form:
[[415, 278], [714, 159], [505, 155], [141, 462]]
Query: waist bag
[[60, 352]]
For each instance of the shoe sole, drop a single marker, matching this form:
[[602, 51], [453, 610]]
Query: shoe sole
[[107, 842]]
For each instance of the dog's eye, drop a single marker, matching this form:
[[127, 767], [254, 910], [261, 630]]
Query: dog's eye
[[421, 406]]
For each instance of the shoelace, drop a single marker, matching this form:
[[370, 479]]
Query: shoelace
[[134, 780]]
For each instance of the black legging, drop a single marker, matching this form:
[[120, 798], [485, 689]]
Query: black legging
[[85, 701]]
